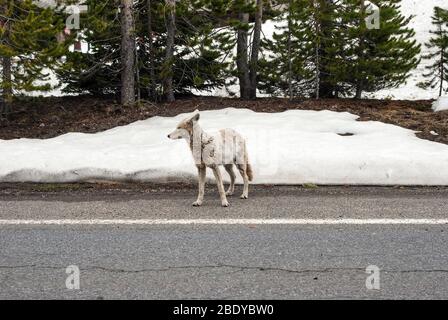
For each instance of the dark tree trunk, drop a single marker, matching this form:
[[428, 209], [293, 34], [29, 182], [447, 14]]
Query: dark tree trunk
[[290, 92], [359, 90], [127, 53], [152, 77], [241, 59], [442, 71], [6, 89], [6, 86], [359, 82], [317, 29], [255, 50], [326, 89], [169, 57]]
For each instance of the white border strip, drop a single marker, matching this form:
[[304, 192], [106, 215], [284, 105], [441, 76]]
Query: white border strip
[[69, 222]]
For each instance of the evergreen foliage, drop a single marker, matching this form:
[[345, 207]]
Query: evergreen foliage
[[326, 50], [29, 40], [437, 72]]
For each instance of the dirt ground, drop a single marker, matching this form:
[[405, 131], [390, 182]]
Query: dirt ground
[[50, 117]]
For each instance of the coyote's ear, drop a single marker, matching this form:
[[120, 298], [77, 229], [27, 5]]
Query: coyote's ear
[[195, 116]]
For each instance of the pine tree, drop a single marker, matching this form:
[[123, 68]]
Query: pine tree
[[326, 50], [328, 45], [287, 68], [203, 45], [96, 71], [29, 46], [302, 56], [380, 58], [437, 72], [197, 61], [248, 47]]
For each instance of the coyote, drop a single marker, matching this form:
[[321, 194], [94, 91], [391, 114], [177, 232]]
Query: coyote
[[226, 147]]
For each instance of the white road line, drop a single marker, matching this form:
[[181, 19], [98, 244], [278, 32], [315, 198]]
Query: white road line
[[226, 222]]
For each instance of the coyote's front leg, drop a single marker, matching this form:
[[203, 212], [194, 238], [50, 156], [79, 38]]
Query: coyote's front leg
[[201, 179], [222, 193]]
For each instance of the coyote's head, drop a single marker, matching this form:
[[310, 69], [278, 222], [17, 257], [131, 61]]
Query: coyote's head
[[184, 129]]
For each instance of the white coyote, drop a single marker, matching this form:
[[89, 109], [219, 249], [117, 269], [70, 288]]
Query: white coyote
[[227, 148]]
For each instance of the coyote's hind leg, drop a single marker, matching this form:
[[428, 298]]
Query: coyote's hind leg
[[222, 193], [229, 169], [242, 169]]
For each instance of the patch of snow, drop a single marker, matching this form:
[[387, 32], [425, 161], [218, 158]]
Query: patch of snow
[[440, 104], [291, 147]]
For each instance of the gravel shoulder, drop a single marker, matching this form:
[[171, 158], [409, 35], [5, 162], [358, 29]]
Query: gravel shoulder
[[265, 202]]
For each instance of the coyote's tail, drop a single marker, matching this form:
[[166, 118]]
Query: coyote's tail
[[249, 172]]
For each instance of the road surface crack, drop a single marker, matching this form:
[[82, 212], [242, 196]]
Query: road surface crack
[[220, 266]]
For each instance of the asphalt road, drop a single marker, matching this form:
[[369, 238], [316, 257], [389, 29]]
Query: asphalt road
[[212, 261]]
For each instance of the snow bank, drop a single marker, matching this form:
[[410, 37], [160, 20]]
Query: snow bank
[[292, 147], [440, 104]]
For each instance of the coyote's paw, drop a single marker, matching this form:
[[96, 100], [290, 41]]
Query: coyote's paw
[[197, 203], [225, 203], [244, 196], [229, 193]]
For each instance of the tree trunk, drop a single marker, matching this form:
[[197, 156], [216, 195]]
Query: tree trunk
[[255, 50], [6, 89], [127, 53], [359, 90], [317, 27], [317, 81], [169, 57], [241, 58], [359, 81], [6, 85], [442, 73], [290, 51], [137, 76], [152, 78], [325, 87]]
